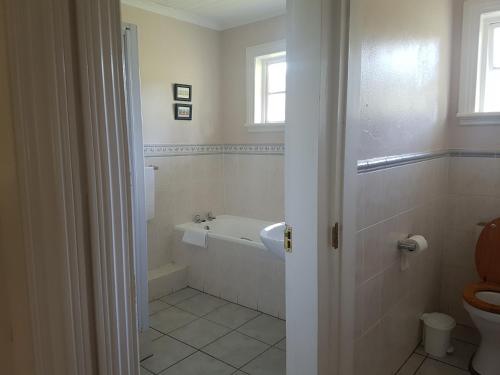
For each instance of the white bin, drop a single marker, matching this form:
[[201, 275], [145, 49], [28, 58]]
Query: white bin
[[437, 333]]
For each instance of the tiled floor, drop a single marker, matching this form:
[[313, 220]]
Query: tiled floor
[[464, 341], [194, 333]]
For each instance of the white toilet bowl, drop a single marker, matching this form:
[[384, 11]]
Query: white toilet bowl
[[486, 361]]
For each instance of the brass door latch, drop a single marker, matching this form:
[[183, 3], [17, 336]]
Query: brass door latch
[[288, 238]]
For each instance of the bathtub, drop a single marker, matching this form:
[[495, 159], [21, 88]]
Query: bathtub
[[235, 266]]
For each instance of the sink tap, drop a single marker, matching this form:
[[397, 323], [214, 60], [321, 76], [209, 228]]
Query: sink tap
[[210, 216]]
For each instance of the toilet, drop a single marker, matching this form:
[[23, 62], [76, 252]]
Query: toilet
[[482, 301]]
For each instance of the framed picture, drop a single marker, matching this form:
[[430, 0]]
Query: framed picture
[[182, 92], [183, 111]]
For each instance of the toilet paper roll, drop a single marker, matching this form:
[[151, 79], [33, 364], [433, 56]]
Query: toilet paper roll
[[420, 241]]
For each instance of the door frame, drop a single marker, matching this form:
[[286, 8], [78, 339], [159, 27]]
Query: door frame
[[96, 313], [66, 79], [320, 280], [137, 164]]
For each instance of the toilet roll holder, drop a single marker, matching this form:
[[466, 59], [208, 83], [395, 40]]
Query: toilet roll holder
[[407, 244]]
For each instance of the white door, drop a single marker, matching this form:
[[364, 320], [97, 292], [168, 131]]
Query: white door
[[136, 155], [313, 181]]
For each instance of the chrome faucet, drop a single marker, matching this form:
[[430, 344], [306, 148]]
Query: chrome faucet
[[210, 216], [197, 219]]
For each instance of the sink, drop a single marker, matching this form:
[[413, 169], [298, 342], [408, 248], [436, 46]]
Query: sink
[[273, 240]]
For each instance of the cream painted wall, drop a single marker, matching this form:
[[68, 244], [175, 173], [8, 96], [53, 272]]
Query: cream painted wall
[[214, 62], [405, 76], [172, 51], [16, 353], [233, 88]]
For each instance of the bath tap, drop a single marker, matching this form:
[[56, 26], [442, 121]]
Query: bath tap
[[210, 216], [197, 219]]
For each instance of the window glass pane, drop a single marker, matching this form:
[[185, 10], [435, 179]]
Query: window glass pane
[[276, 107], [276, 77], [496, 48], [492, 92]]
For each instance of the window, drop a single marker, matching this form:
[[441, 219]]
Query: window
[[480, 72], [489, 63], [266, 87]]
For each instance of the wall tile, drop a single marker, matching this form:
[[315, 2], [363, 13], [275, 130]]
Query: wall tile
[[409, 199]]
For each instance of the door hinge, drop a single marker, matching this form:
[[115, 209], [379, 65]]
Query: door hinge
[[335, 236], [288, 239]]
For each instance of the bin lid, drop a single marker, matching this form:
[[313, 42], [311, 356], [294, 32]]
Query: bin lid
[[439, 321]]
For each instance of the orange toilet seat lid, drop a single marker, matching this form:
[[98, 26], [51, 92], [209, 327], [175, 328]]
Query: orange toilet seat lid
[[488, 253], [470, 296]]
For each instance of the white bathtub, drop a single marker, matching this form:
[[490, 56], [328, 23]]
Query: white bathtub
[[236, 266]]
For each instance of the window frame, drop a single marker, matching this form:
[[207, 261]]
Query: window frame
[[252, 54], [266, 61], [485, 63], [473, 67]]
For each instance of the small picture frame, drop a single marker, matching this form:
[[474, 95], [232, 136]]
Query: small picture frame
[[183, 111], [182, 92]]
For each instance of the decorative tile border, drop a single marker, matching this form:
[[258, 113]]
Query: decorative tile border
[[162, 150], [375, 164], [367, 165], [178, 150], [255, 149], [461, 153]]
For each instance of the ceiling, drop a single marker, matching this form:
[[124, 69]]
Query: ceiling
[[214, 14]]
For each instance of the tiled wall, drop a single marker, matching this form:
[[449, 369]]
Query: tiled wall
[[185, 185], [393, 203], [254, 186], [241, 184], [474, 196]]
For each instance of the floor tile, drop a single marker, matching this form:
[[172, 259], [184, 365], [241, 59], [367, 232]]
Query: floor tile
[[156, 306], [151, 334], [201, 304], [420, 350], [199, 364], [461, 356], [265, 328], [432, 367], [281, 345], [411, 365], [181, 295], [166, 352], [167, 320], [232, 315], [143, 371], [271, 362], [199, 333], [467, 334], [235, 349]]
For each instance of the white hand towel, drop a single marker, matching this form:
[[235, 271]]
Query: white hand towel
[[196, 237], [149, 188]]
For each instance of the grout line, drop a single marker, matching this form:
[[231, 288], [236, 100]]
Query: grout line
[[269, 346], [406, 361], [446, 363], [196, 351], [464, 341], [418, 368], [254, 358]]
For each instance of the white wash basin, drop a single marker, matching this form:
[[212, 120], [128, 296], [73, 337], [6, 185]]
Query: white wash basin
[[273, 239]]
